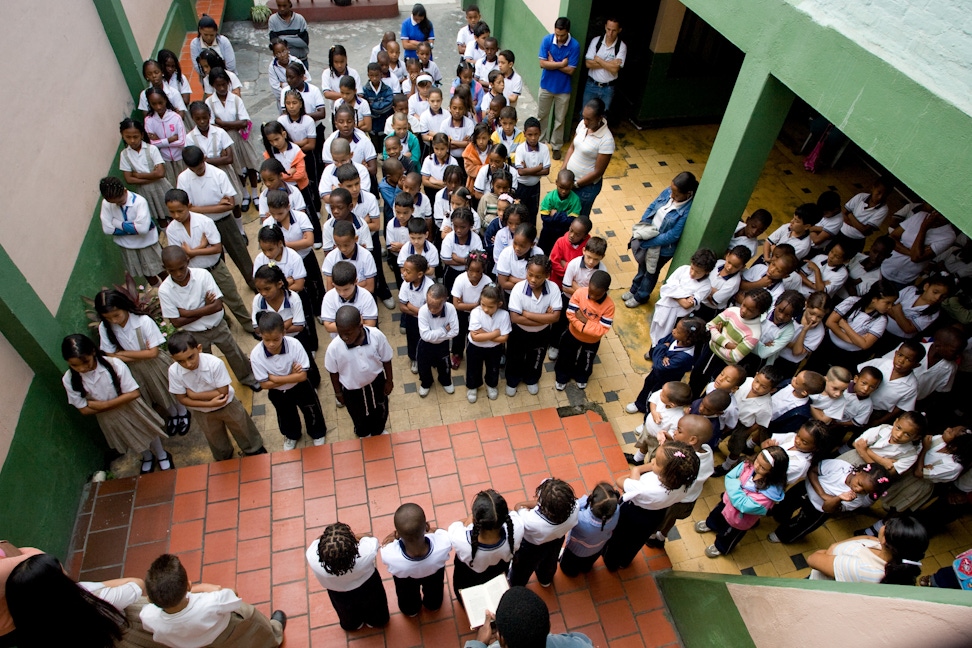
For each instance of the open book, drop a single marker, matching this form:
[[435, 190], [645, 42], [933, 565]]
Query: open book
[[480, 598]]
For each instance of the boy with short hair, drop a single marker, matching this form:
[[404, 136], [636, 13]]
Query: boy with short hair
[[182, 614], [200, 382], [558, 209], [418, 234], [489, 63], [791, 402], [712, 406], [396, 231], [401, 125], [345, 291], [412, 296], [828, 406], [724, 282], [578, 272], [511, 264], [797, 233], [379, 98], [412, 185], [666, 407], [568, 247], [340, 208], [394, 151], [346, 248], [359, 362], [438, 323], [341, 156], [729, 379], [754, 405], [590, 313], [392, 171], [771, 276], [280, 364], [898, 392], [508, 133], [512, 81], [857, 399], [191, 301], [416, 554], [748, 232]]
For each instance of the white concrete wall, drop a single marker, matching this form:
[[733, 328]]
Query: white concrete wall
[[58, 140], [929, 40], [146, 18], [13, 389], [547, 12]]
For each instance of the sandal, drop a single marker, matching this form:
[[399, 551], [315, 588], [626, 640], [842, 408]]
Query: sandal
[[148, 465], [166, 460]]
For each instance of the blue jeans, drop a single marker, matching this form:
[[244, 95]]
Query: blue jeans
[[644, 282], [604, 93], [587, 194]]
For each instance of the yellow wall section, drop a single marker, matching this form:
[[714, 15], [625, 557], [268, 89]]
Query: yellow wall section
[[13, 388], [146, 18], [59, 138]]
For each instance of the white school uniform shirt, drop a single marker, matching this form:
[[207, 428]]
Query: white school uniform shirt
[[706, 470], [721, 289], [649, 493], [856, 271], [474, 53], [831, 224], [758, 271], [422, 207], [435, 329], [480, 321], [907, 298], [413, 294], [392, 82], [939, 466], [119, 597], [360, 258], [362, 150], [606, 53], [198, 624], [142, 161], [135, 211], [98, 385], [537, 529], [287, 157], [465, 36], [296, 225], [207, 189], [212, 144], [432, 168], [277, 77], [329, 181], [512, 85], [833, 278], [483, 68], [465, 291], [832, 407], [878, 440], [484, 182], [361, 230], [181, 85], [312, 95], [463, 132], [855, 562], [938, 378], [899, 267], [364, 567], [395, 232], [810, 342], [290, 264], [401, 565], [331, 82], [264, 364], [172, 297], [784, 400], [361, 365], [527, 157], [416, 105], [833, 475], [296, 200], [432, 123], [432, 69], [140, 333], [954, 264], [361, 299], [298, 130], [679, 284], [210, 374], [487, 555], [861, 322], [577, 274], [488, 96], [670, 416], [502, 240], [799, 461], [232, 109], [428, 251], [758, 410], [291, 308], [507, 263], [175, 98], [901, 392], [234, 84], [361, 107], [745, 241], [801, 244], [451, 245], [856, 409], [442, 213], [522, 299], [865, 215]]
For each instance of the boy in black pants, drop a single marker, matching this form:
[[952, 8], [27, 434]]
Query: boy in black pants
[[437, 324], [415, 555]]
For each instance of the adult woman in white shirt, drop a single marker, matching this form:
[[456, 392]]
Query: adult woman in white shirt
[[589, 154], [893, 557]]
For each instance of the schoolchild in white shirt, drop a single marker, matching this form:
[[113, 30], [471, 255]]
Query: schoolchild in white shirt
[[682, 292], [532, 164], [748, 232], [438, 325], [898, 391], [665, 407], [797, 233], [511, 264], [271, 174], [346, 248], [457, 244], [485, 541], [828, 406], [274, 250], [418, 233], [546, 520], [800, 447], [142, 166], [416, 555], [340, 208], [489, 328], [337, 70], [534, 305], [345, 291], [754, 407], [893, 446], [824, 272], [411, 297], [488, 63], [341, 155], [349, 90], [229, 113], [126, 218], [724, 280], [466, 291], [273, 296]]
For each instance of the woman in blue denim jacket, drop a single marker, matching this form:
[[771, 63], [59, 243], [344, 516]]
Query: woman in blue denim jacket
[[668, 213]]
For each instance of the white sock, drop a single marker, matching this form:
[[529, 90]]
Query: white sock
[[750, 444], [639, 456], [254, 193], [156, 449], [146, 455], [239, 224]]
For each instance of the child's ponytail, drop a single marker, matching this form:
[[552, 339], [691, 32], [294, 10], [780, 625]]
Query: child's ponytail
[[109, 300], [489, 512], [907, 541], [80, 346], [603, 502], [682, 467]]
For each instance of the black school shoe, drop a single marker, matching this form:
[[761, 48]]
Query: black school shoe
[[631, 460], [279, 615], [186, 423]]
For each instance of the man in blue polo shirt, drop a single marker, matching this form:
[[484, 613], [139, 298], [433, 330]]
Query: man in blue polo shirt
[[559, 56]]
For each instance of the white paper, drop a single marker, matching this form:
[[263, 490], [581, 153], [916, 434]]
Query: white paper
[[480, 598]]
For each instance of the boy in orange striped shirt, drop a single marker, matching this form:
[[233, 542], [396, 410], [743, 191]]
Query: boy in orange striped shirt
[[590, 314]]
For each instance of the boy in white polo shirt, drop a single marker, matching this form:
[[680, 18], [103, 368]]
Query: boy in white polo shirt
[[199, 237], [211, 193], [411, 297], [191, 301], [200, 382], [828, 406], [281, 364], [416, 555], [359, 361], [341, 203], [346, 249], [346, 291], [438, 323]]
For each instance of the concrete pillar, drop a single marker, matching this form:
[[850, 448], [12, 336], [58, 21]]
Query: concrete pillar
[[667, 25], [752, 122]]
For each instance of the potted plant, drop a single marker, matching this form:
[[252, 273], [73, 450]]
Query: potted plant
[[259, 15]]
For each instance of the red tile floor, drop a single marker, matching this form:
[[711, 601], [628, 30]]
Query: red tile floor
[[245, 524]]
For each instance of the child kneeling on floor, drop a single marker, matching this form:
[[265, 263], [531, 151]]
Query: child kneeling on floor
[[183, 615], [591, 315]]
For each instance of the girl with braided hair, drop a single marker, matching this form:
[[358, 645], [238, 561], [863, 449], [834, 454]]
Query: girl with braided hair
[[597, 517], [485, 541], [344, 564], [547, 519]]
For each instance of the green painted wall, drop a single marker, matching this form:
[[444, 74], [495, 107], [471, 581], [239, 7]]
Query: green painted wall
[[695, 603], [236, 10], [180, 19]]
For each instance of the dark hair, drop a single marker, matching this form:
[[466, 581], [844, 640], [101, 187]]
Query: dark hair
[[200, 106], [829, 201], [596, 245], [417, 226], [443, 139], [297, 68], [297, 95], [166, 582], [193, 156], [492, 177], [492, 291], [181, 341], [477, 256], [111, 187], [879, 478], [337, 549], [213, 60], [418, 11], [206, 22], [773, 375], [336, 50], [481, 29], [555, 500], [508, 55], [344, 273], [438, 291], [453, 172], [562, 23], [342, 195], [78, 346], [273, 165], [108, 300], [520, 210], [809, 213], [813, 381], [936, 280], [873, 372], [508, 112], [270, 234], [164, 56], [686, 182], [817, 300], [597, 105], [719, 399], [344, 109], [960, 447], [820, 434], [696, 329], [278, 198], [404, 200], [600, 279], [906, 540], [153, 91], [603, 502], [466, 66], [682, 467], [762, 298], [270, 322], [919, 420], [346, 173], [888, 183], [347, 82], [543, 261], [796, 301], [276, 40], [374, 67], [526, 230], [522, 618], [742, 252], [149, 63], [463, 214], [128, 122], [880, 289], [777, 474], [271, 274], [680, 393], [704, 258], [762, 216], [343, 228], [490, 512], [39, 585], [272, 128], [419, 261]]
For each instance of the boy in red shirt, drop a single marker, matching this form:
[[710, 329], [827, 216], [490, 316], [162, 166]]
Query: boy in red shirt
[[591, 314], [569, 246]]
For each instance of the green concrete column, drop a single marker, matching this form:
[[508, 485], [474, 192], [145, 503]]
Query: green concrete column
[[122, 40], [754, 116]]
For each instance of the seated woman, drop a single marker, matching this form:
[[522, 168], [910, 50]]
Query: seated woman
[[893, 557]]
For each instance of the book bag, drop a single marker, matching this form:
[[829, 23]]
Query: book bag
[[600, 41]]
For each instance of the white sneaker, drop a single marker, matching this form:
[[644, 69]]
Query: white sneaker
[[631, 408], [510, 391], [773, 537], [317, 246], [401, 329], [627, 295], [423, 391], [492, 393], [533, 389], [471, 395], [414, 367], [339, 404], [553, 353], [389, 303], [581, 385], [449, 389], [560, 386], [320, 442], [384, 432], [640, 428], [632, 303], [289, 444]]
